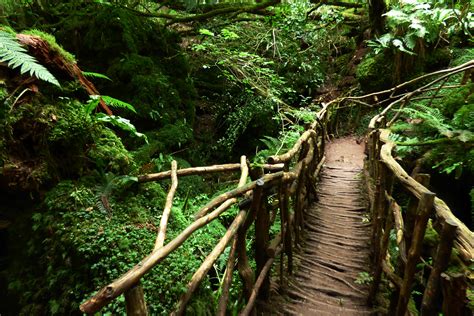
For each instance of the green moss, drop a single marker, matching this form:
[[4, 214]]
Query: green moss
[[51, 40], [412, 307], [341, 64], [173, 135], [71, 123], [108, 152], [431, 238], [462, 55], [77, 248], [470, 298], [375, 73], [454, 99], [8, 29]]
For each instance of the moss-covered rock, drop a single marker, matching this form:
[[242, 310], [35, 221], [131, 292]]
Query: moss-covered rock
[[374, 73], [176, 135], [108, 152]]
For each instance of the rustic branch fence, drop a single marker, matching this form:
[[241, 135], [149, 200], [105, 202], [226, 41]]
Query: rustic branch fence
[[409, 228], [289, 178]]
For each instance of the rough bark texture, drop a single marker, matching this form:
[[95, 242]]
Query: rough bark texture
[[41, 50], [424, 210], [429, 305], [135, 301], [464, 241]]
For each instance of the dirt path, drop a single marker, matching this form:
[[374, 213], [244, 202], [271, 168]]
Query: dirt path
[[336, 246]]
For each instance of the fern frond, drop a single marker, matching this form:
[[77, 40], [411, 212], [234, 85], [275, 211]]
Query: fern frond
[[432, 118], [117, 103], [90, 74], [12, 53]]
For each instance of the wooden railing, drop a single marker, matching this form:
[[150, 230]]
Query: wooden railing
[[410, 227], [289, 179]]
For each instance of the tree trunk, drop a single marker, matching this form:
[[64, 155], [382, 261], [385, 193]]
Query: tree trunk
[[376, 10]]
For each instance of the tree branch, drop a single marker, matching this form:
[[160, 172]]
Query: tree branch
[[258, 8]]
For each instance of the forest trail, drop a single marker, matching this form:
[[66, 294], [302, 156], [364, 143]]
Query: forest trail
[[335, 250]]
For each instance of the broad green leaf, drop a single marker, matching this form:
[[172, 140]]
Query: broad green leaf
[[121, 123], [206, 32], [399, 44]]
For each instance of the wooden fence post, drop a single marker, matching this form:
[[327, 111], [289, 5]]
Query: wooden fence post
[[374, 153], [135, 301], [425, 207], [378, 210], [441, 261], [423, 179], [222, 307], [454, 287], [262, 237], [298, 209], [283, 200], [382, 254], [245, 271]]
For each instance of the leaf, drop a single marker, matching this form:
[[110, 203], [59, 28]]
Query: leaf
[[92, 104], [229, 35], [410, 42], [206, 32], [121, 123], [12, 53], [420, 30], [466, 136], [117, 103], [399, 44], [397, 16], [90, 74]]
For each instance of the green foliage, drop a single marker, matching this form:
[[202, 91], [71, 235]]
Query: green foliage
[[121, 123], [446, 128], [79, 248], [12, 53], [148, 67], [419, 20], [90, 74], [375, 73], [275, 146], [364, 278], [108, 152], [95, 99], [157, 98]]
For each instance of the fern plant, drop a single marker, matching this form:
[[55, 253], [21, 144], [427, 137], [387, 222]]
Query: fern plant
[[90, 74], [95, 99], [15, 55]]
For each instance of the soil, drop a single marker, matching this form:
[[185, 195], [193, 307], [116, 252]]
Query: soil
[[334, 257], [345, 152]]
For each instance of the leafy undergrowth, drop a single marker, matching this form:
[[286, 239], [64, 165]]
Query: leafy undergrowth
[[91, 231], [440, 124]]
